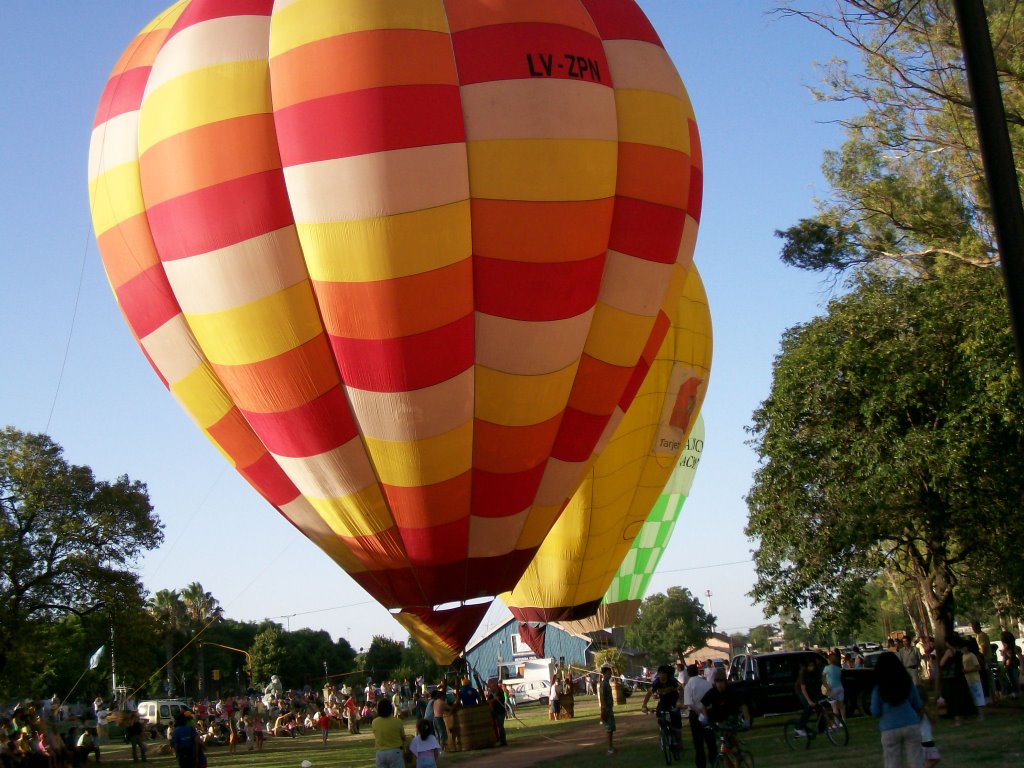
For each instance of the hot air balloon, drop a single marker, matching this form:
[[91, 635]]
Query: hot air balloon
[[629, 586], [575, 565], [399, 261]]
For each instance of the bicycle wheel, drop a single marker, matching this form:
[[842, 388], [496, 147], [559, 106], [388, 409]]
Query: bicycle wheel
[[666, 746], [794, 740], [746, 760], [733, 760], [837, 732]]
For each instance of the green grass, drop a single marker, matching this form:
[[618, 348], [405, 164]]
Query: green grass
[[996, 743]]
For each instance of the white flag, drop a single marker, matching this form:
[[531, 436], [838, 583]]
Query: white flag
[[94, 660]]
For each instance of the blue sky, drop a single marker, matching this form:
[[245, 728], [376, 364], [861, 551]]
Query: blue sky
[[763, 136]]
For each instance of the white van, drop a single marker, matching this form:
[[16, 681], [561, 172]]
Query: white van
[[157, 714]]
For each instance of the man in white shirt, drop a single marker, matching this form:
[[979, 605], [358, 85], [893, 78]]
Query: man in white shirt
[[709, 670], [693, 693], [681, 675]]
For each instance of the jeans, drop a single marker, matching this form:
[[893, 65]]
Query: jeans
[[138, 743], [440, 731], [805, 716]]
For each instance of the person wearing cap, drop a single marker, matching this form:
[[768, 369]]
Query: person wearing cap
[[725, 708], [668, 690]]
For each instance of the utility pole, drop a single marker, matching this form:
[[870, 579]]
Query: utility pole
[[997, 158], [710, 612], [113, 668]]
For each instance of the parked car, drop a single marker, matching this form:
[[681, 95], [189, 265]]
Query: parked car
[[529, 690], [768, 679], [157, 714]]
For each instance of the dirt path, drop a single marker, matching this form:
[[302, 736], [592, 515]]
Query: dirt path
[[574, 737]]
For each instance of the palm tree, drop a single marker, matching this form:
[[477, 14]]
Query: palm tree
[[202, 610], [169, 611]]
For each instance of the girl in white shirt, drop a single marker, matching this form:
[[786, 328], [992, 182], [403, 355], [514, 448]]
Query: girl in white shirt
[[424, 745]]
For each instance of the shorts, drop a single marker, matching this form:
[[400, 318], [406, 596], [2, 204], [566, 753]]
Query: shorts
[[609, 724], [837, 694], [931, 753]]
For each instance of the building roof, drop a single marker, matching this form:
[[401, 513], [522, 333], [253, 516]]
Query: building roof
[[499, 627]]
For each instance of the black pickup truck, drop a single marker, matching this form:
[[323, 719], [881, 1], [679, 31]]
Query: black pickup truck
[[767, 681]]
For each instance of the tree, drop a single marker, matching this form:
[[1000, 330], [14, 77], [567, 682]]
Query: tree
[[667, 625], [267, 654], [66, 539], [417, 662], [383, 656], [169, 611], [760, 637], [889, 441], [306, 651], [202, 610], [795, 632], [907, 186]]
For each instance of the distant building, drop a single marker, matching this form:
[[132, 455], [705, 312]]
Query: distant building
[[718, 646], [507, 647]]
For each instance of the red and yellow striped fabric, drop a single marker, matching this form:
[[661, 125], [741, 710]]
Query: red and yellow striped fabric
[[400, 261]]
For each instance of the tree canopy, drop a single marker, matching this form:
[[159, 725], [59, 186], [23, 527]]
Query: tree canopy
[[669, 624], [67, 544], [890, 439], [907, 185]]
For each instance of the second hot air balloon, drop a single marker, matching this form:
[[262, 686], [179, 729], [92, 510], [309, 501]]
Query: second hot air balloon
[[575, 565]]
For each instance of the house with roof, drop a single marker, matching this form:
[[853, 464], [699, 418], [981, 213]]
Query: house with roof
[[504, 650]]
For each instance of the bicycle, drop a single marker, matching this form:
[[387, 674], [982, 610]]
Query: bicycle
[[671, 748], [731, 753], [827, 722]]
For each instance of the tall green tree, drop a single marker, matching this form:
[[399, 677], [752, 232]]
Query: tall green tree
[[267, 653], [907, 186], [202, 610], [417, 662], [168, 610], [667, 625], [68, 542], [383, 657], [890, 439], [306, 653]]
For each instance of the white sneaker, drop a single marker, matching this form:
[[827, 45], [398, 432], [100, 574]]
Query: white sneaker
[[799, 732]]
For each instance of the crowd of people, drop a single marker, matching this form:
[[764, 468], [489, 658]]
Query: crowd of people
[[31, 736], [53, 735]]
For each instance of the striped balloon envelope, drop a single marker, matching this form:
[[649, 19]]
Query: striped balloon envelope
[[400, 262], [577, 562], [631, 581]]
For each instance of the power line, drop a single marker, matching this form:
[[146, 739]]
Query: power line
[[71, 329], [320, 610], [704, 567]]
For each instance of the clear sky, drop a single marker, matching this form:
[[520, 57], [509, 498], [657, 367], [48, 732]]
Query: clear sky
[[763, 136]]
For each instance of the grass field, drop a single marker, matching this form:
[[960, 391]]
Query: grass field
[[998, 742]]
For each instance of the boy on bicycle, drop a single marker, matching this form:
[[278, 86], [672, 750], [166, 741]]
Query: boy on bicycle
[[666, 687], [807, 680], [725, 707]]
